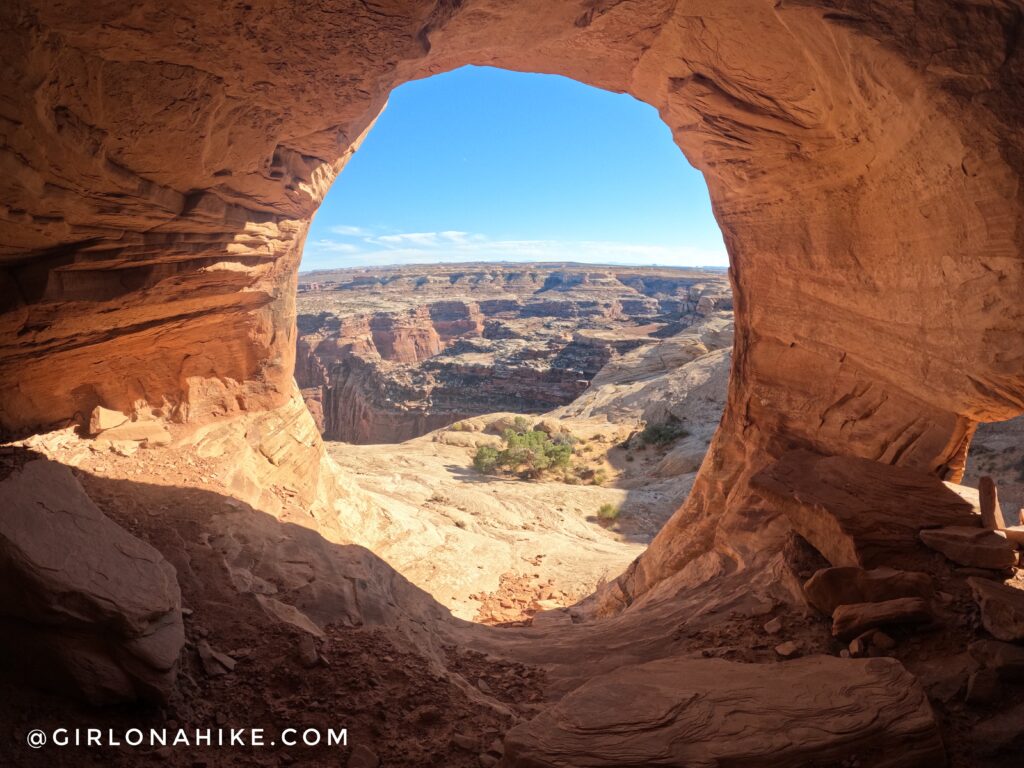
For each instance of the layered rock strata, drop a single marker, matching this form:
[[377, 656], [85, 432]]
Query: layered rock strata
[[392, 354]]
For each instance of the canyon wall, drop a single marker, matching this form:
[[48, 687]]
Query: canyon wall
[[162, 161], [387, 355]]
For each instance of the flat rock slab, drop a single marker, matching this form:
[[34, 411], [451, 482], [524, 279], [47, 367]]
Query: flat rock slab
[[708, 713], [1002, 608], [849, 621], [972, 547], [859, 512], [829, 588]]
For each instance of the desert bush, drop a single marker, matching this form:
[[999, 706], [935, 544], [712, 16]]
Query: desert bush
[[530, 453], [521, 424], [662, 434], [608, 512], [600, 477], [485, 460]]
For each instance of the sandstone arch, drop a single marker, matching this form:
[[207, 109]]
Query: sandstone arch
[[162, 162]]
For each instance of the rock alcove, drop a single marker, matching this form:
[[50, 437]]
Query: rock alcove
[[162, 162]]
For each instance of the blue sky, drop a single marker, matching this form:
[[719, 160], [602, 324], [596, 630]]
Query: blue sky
[[482, 164]]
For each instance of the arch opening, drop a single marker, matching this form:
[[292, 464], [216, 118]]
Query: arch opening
[[515, 251]]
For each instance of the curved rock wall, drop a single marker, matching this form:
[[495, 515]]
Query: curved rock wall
[[162, 160]]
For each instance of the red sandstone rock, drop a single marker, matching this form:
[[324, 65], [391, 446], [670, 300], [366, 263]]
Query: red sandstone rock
[[1002, 608], [858, 512], [704, 713], [104, 418], [831, 587], [86, 605], [991, 513], [849, 621], [971, 547]]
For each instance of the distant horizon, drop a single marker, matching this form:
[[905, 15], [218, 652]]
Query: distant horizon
[[487, 165], [514, 262]]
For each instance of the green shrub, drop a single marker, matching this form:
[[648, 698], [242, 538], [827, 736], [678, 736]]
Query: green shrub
[[600, 477], [521, 424], [662, 434], [486, 459], [530, 453], [608, 512]]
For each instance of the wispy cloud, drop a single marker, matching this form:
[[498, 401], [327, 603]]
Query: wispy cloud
[[349, 231], [454, 245]]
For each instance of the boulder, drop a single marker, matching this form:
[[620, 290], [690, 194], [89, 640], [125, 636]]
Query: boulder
[[829, 588], [149, 433], [1005, 659], [1002, 608], [1003, 733], [858, 512], [103, 419], [1014, 534], [703, 713], [971, 547], [85, 604], [849, 621]]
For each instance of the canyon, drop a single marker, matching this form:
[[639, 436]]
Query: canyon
[[387, 355], [178, 540]]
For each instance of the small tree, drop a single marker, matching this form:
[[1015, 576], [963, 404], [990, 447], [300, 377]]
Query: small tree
[[531, 452], [486, 459]]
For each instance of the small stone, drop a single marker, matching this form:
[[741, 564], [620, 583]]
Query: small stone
[[105, 418], [497, 747], [1002, 609], [429, 715], [306, 652], [774, 626], [787, 649], [214, 663], [363, 757], [882, 641], [844, 654], [487, 761], [859, 646], [463, 741], [483, 686]]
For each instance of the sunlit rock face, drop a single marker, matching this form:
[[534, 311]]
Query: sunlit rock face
[[161, 162]]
